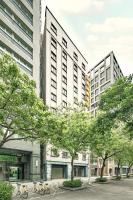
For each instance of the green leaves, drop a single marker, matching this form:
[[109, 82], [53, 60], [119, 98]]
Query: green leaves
[[21, 111]]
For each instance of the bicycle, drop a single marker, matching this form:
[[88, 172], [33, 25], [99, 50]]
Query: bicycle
[[41, 188]]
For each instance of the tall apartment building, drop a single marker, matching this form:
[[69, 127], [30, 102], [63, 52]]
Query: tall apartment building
[[63, 72], [20, 36], [102, 76]]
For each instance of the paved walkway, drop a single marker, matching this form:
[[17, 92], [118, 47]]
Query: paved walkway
[[115, 190]]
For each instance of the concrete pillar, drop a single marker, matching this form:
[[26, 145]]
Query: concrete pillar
[[48, 171], [35, 167]]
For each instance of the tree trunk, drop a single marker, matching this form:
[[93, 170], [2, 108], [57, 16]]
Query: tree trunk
[[72, 168], [102, 169], [128, 170], [42, 161], [118, 169]]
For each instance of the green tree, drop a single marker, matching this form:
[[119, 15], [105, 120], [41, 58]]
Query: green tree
[[21, 111], [106, 140], [72, 131], [118, 100]]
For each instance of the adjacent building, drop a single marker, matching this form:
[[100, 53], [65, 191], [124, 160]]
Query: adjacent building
[[20, 36], [102, 76], [63, 76]]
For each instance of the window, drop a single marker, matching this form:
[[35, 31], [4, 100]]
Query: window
[[54, 152], [83, 66], [64, 104], [53, 70], [53, 83], [64, 154], [108, 74], [53, 97], [92, 81], [54, 43], [53, 28], [64, 42], [75, 55], [102, 69], [102, 75], [96, 73], [84, 157], [83, 96], [64, 67], [64, 79], [64, 55], [75, 78], [75, 68], [75, 100], [75, 89], [96, 78], [83, 76], [96, 98], [53, 56], [96, 85], [102, 81], [92, 100], [96, 91], [64, 92], [92, 87], [83, 86]]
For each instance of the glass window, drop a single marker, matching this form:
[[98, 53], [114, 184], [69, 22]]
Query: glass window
[[64, 67], [54, 43], [64, 42], [64, 154], [75, 55], [108, 74], [53, 70], [75, 78], [53, 56], [53, 28], [53, 83], [64, 55], [53, 97], [64, 79], [64, 91], [54, 152]]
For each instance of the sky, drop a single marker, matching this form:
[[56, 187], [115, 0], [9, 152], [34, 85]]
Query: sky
[[97, 27]]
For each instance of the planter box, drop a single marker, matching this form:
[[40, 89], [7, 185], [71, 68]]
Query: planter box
[[74, 189]]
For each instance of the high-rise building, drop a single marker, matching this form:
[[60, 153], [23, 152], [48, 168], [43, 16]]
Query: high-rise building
[[102, 76], [63, 75], [20, 36]]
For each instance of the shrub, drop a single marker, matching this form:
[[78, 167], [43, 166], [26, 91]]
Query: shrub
[[72, 184], [5, 191], [101, 180]]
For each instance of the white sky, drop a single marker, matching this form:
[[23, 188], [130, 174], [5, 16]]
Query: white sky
[[97, 27]]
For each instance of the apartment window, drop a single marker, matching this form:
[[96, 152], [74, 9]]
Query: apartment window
[[64, 55], [64, 92], [83, 76], [64, 67], [75, 56], [75, 78], [102, 74], [53, 70], [64, 103], [83, 66], [75, 68], [92, 87], [96, 73], [92, 93], [53, 97], [64, 154], [53, 28], [54, 152], [96, 91], [53, 83], [84, 157], [64, 42], [64, 79], [75, 100], [83, 96], [92, 81], [96, 78], [102, 69], [53, 109], [83, 86], [92, 100], [102, 81], [75, 89], [23, 10], [108, 74], [96, 98], [54, 43], [96, 85], [53, 56]]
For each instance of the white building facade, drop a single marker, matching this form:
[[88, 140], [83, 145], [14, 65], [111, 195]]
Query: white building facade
[[63, 71]]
